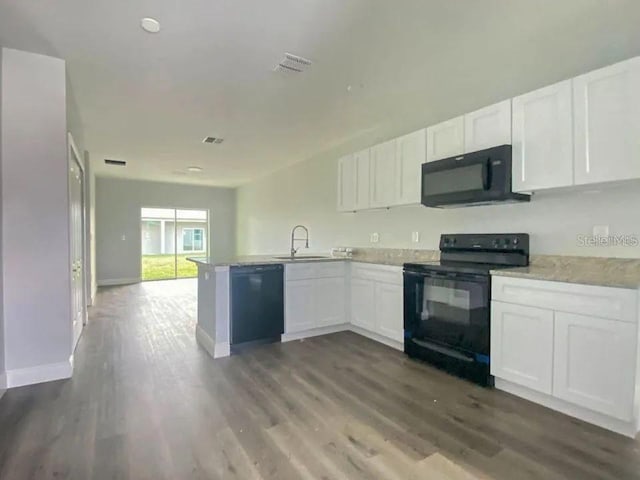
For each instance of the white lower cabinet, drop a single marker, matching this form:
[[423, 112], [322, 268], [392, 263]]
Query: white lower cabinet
[[584, 364], [377, 300], [389, 311], [522, 345], [299, 305], [594, 360], [315, 296], [362, 306], [330, 301]]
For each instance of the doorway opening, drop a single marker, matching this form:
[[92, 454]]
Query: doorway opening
[[169, 236]]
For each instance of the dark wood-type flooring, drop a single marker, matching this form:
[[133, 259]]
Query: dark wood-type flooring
[[146, 402]]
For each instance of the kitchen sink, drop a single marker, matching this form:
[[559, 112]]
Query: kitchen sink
[[301, 257]]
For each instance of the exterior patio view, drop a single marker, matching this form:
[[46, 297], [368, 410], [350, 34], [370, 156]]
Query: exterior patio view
[[169, 236]]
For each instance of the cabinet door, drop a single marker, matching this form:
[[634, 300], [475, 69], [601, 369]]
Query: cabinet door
[[299, 305], [595, 363], [445, 139], [522, 345], [607, 123], [382, 174], [362, 303], [389, 311], [330, 301], [347, 189], [410, 155], [361, 160], [543, 138], [488, 127]]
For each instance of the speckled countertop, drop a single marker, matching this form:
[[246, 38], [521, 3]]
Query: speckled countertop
[[600, 271]]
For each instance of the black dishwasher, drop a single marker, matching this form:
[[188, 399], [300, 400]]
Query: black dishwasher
[[257, 305]]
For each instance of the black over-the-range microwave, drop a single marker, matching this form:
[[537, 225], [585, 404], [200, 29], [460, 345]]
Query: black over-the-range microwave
[[478, 178]]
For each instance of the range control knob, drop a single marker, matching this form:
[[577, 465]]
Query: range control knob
[[496, 242], [506, 241], [515, 240]]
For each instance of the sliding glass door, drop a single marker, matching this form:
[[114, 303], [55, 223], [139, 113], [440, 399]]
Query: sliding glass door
[[169, 237]]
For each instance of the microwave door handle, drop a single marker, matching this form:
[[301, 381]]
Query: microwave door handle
[[486, 174]]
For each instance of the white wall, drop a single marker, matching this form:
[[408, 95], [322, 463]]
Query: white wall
[[118, 204], [35, 215], [306, 193], [2, 369]]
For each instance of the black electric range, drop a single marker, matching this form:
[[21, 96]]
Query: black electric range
[[447, 303]]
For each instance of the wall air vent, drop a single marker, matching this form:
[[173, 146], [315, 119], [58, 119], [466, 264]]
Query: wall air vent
[[213, 140], [117, 163], [292, 64]]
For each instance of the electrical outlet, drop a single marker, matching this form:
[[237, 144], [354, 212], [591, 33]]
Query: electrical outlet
[[415, 237], [601, 230], [374, 238]]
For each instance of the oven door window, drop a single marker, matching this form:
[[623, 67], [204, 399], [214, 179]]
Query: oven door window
[[453, 312]]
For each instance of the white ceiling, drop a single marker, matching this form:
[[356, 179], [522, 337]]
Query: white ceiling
[[151, 99]]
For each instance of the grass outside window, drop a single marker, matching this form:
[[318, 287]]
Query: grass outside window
[[163, 267]]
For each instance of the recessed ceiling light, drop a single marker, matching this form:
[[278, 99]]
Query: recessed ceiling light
[[194, 169], [150, 25]]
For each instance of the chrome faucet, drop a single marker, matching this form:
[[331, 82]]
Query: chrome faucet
[[294, 239]]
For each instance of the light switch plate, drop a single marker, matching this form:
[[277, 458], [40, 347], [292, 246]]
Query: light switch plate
[[415, 237], [375, 238]]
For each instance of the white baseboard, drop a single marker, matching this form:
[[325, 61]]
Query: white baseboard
[[628, 429], [41, 373], [288, 337], [110, 282], [3, 383], [378, 338], [216, 350], [222, 349]]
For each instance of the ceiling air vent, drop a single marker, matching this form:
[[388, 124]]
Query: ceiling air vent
[[292, 64], [117, 163], [213, 140]]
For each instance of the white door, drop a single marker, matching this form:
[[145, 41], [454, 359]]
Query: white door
[[382, 174], [362, 303], [76, 224], [607, 123], [411, 153], [362, 179], [543, 138], [347, 184], [445, 139], [522, 345], [389, 311], [595, 362], [488, 127], [299, 305], [330, 301]]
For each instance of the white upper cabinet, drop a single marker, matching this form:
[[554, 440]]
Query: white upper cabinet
[[543, 138], [445, 139], [488, 127], [382, 166], [607, 123], [410, 155], [362, 179], [347, 187]]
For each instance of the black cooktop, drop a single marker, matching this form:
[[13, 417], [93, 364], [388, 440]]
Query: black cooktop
[[477, 253], [457, 267]]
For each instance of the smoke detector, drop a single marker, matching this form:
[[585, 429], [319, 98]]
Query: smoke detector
[[292, 64], [216, 140], [194, 169]]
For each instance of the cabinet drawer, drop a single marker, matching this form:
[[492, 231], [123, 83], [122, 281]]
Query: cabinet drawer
[[378, 273], [299, 271], [605, 302], [329, 269]]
